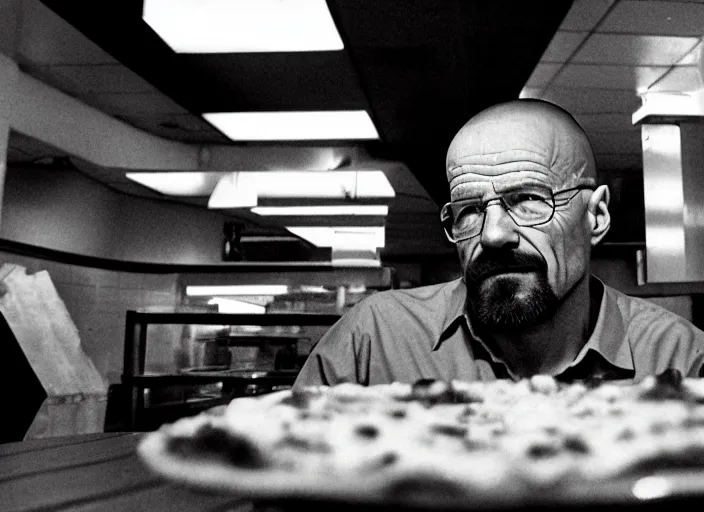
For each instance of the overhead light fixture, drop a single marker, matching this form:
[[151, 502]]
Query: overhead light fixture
[[178, 183], [342, 237], [271, 289], [670, 104], [236, 306], [253, 188], [286, 211], [238, 26], [318, 125]]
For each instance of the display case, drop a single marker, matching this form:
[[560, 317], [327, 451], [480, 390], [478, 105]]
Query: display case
[[180, 363]]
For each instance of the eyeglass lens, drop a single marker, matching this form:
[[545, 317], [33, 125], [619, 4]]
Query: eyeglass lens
[[526, 208]]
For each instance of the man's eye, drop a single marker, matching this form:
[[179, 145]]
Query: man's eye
[[470, 210], [524, 197]]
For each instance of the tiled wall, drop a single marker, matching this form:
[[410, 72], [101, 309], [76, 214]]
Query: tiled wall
[[97, 300]]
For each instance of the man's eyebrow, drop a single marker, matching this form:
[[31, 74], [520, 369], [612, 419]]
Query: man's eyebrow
[[517, 185]]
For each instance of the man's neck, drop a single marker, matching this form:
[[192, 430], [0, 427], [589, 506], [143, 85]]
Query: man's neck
[[550, 347]]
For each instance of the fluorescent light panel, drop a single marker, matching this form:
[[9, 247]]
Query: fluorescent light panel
[[271, 289], [351, 237], [283, 211], [242, 189], [243, 26], [236, 306], [320, 125]]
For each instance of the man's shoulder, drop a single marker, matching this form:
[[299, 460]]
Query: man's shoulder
[[420, 295], [641, 313]]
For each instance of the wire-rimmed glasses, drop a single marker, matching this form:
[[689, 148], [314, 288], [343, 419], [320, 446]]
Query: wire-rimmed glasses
[[528, 207]]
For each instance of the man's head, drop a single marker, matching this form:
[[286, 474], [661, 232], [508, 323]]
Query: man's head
[[525, 252]]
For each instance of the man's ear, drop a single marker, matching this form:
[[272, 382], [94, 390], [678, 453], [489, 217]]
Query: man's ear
[[598, 211]]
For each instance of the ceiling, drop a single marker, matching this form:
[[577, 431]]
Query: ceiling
[[420, 68]]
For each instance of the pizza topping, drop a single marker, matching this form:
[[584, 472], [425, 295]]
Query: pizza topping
[[540, 450], [367, 431], [209, 441], [576, 444], [450, 430]]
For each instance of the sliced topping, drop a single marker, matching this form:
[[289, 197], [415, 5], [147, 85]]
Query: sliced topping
[[542, 450], [305, 444], [212, 442], [367, 431], [398, 413], [576, 444], [450, 430]]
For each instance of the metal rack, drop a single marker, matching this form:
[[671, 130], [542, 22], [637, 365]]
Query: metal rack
[[138, 416]]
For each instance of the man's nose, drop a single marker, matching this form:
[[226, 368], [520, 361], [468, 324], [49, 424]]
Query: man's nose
[[499, 230]]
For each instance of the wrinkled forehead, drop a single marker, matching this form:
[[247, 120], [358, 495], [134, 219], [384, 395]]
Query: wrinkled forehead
[[525, 144]]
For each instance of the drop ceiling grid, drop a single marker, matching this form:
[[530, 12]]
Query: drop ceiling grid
[[624, 46]]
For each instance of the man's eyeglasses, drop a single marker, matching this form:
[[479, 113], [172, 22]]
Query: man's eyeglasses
[[527, 206]]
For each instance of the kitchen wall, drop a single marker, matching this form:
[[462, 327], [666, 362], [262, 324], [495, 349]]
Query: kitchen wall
[[97, 301], [64, 210]]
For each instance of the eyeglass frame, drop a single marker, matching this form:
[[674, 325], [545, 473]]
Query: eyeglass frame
[[485, 204]]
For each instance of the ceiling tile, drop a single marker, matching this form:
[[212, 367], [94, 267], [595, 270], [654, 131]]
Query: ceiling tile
[[606, 123], [610, 142], [542, 74], [593, 101], [133, 103], [562, 46], [619, 161], [634, 50], [692, 58], [96, 78], [655, 17], [608, 77], [584, 14], [680, 79]]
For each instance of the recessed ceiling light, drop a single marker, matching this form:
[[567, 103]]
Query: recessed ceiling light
[[320, 125], [237, 26], [283, 211]]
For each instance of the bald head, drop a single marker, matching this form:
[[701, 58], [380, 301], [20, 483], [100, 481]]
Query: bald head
[[535, 137]]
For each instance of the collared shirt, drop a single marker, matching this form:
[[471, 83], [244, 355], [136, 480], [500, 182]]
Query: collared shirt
[[406, 335]]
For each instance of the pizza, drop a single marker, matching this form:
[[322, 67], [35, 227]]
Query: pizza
[[438, 442]]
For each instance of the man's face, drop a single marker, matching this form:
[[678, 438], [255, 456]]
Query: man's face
[[516, 276]]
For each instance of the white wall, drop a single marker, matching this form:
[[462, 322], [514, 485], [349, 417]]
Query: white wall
[[65, 211]]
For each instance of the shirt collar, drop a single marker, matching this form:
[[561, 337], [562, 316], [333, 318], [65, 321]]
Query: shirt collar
[[456, 307], [607, 339]]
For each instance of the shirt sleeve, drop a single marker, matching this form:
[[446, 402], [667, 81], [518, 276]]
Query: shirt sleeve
[[342, 354]]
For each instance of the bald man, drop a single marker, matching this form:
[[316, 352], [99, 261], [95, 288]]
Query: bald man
[[525, 212]]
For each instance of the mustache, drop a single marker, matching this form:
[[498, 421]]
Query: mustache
[[490, 263]]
